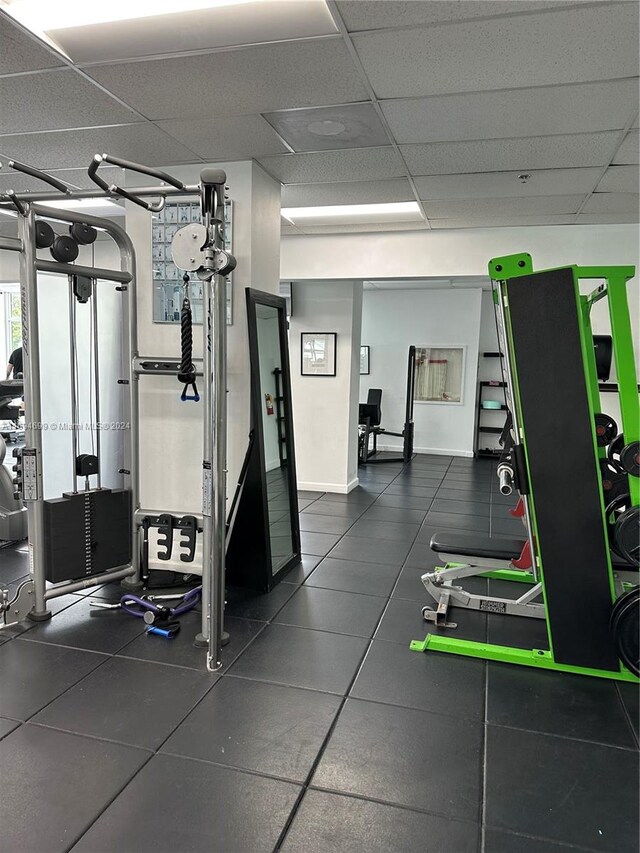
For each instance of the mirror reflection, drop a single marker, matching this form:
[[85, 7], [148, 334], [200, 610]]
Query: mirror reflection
[[274, 431]]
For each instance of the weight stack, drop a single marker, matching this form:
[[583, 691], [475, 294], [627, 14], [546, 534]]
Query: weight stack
[[86, 534]]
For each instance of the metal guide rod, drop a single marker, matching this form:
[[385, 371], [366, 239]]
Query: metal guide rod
[[73, 344], [76, 269], [33, 405], [94, 580], [56, 213], [508, 376], [96, 379]]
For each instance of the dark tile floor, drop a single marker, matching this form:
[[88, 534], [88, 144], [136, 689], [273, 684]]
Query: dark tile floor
[[324, 733]]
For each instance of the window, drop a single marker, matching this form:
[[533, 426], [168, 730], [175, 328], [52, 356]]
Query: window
[[439, 374]]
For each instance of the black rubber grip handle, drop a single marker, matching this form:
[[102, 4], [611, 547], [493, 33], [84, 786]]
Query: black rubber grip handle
[[119, 191], [41, 176], [144, 170]]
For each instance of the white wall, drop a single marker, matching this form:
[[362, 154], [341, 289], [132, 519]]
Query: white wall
[[444, 254], [171, 431], [392, 320], [325, 408]]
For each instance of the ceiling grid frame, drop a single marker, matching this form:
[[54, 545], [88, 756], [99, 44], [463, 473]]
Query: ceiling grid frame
[[337, 17]]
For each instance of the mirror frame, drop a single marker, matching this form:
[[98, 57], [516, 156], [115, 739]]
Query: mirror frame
[[257, 572]]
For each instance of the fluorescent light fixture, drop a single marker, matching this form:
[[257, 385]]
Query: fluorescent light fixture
[[43, 15], [334, 211]]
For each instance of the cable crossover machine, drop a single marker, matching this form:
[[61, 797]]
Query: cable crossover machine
[[92, 534]]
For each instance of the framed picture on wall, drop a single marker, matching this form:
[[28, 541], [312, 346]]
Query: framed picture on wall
[[439, 376], [318, 353], [365, 364]]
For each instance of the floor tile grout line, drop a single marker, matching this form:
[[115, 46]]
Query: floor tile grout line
[[538, 732], [627, 715], [483, 769], [327, 737], [396, 805]]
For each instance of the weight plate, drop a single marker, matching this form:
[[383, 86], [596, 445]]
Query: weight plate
[[625, 628], [45, 234], [626, 535], [83, 234], [614, 482], [187, 245], [614, 451], [606, 429], [614, 509], [630, 458], [64, 249]]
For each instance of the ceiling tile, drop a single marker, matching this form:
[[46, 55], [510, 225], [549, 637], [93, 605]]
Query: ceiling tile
[[499, 155], [542, 111], [221, 26], [503, 207], [361, 164], [620, 179], [382, 14], [236, 82], [328, 128], [608, 218], [571, 46], [502, 221], [20, 52], [142, 143], [612, 203], [360, 228], [629, 150], [228, 138], [507, 185], [347, 192], [55, 100]]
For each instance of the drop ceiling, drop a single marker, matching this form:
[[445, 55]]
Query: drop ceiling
[[443, 102]]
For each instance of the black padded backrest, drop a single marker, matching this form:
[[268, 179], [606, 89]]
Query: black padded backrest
[[374, 405]]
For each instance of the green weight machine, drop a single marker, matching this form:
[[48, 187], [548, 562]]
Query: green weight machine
[[584, 545]]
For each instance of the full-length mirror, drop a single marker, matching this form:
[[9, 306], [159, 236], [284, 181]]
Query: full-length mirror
[[265, 538]]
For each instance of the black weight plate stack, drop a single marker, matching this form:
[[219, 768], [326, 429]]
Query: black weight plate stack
[[614, 451], [615, 508], [606, 429], [45, 234], [625, 627], [82, 234], [64, 249], [614, 483], [626, 535], [630, 458]]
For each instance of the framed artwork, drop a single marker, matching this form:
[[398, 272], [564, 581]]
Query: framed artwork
[[439, 376], [318, 353], [365, 364]]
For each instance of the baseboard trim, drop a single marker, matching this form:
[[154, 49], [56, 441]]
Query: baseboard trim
[[432, 451], [338, 488]]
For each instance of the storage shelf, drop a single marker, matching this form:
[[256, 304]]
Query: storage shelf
[[502, 408], [497, 430], [492, 383], [492, 355]]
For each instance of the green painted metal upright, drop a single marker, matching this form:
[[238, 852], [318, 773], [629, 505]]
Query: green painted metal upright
[[542, 316]]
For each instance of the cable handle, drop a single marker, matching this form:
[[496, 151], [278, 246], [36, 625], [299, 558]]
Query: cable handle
[[187, 374]]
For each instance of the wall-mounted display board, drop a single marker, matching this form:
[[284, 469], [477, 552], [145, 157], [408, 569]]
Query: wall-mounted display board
[[167, 278]]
